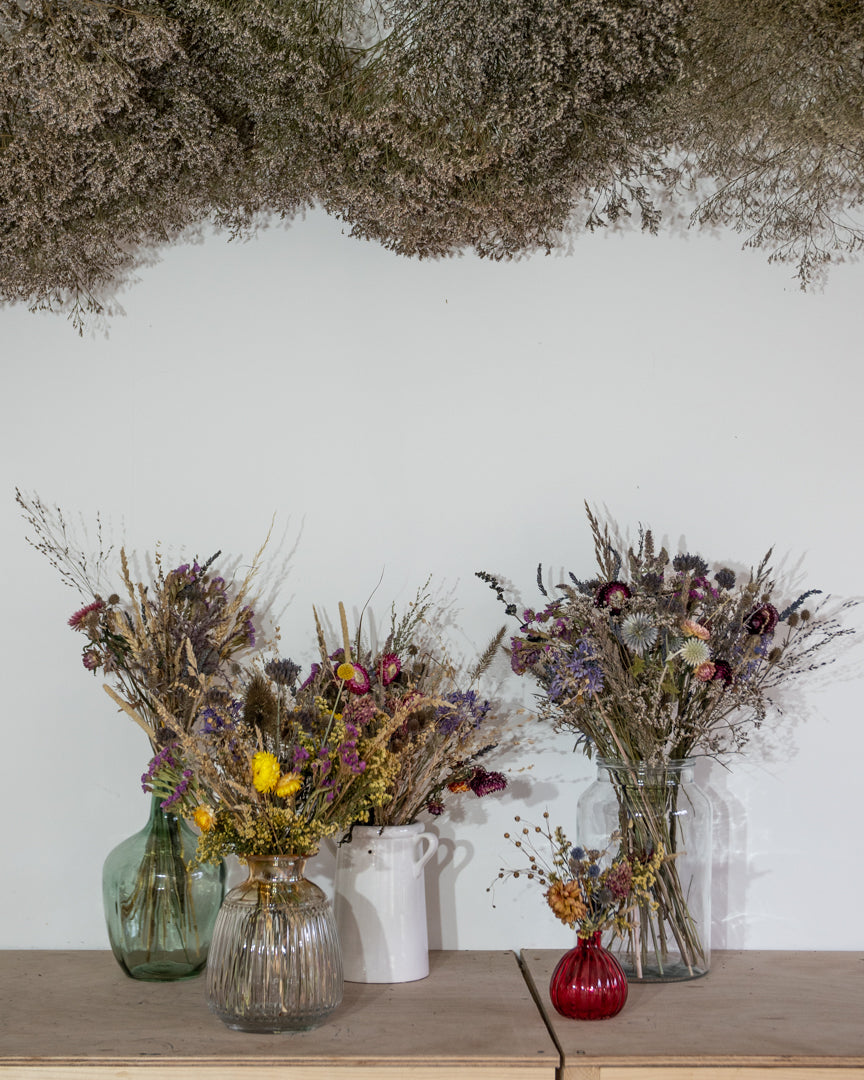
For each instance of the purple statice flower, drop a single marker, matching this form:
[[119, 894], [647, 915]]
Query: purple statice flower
[[247, 615], [179, 791], [360, 710], [702, 588], [464, 711], [348, 751], [485, 783], [164, 757], [211, 721], [313, 674], [575, 673], [301, 754]]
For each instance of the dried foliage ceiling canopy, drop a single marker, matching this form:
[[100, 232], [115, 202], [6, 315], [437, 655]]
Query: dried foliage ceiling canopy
[[430, 126]]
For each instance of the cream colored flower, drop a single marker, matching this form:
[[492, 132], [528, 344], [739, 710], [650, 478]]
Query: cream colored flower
[[694, 652]]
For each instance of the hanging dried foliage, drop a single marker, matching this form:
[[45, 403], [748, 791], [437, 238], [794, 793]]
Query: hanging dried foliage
[[430, 127]]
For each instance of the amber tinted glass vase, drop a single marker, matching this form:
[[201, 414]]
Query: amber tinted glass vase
[[160, 914]]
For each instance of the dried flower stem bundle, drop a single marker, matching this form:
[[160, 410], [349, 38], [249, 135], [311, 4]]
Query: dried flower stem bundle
[[494, 125]]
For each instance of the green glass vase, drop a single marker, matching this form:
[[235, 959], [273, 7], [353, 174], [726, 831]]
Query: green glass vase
[[160, 914]]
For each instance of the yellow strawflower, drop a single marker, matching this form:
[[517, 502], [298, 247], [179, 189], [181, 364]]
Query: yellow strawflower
[[289, 784], [204, 818], [265, 771]]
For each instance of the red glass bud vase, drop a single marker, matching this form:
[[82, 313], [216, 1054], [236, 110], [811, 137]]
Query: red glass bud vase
[[588, 983]]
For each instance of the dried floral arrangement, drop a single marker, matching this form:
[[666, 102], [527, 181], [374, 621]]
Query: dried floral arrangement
[[428, 128], [654, 660], [265, 776], [368, 735], [660, 657], [439, 728], [589, 890], [168, 647]]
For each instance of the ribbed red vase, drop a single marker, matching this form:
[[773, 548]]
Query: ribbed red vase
[[588, 983]]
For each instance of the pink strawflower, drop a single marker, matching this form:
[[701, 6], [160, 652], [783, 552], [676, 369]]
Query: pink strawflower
[[705, 672], [78, 618], [389, 667], [695, 629], [359, 683], [90, 659]]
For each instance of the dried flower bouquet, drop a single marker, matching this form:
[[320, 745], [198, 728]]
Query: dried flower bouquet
[[656, 659]]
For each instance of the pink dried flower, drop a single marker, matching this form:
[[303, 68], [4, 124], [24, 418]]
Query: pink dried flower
[[705, 672], [76, 621], [388, 668], [484, 783]]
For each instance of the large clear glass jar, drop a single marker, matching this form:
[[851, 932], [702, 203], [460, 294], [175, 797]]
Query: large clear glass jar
[[159, 912], [652, 805], [275, 963]]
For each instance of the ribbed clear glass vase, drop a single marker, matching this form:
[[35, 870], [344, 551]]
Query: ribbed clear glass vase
[[275, 963]]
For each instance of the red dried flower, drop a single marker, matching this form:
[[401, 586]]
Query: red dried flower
[[763, 620], [613, 595]]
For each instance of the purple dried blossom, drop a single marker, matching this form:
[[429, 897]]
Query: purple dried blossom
[[312, 676], [90, 659], [179, 791], [164, 757], [575, 673], [464, 711], [485, 783], [435, 808]]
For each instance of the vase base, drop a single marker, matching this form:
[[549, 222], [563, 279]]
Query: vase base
[[280, 1025], [672, 972], [162, 970]]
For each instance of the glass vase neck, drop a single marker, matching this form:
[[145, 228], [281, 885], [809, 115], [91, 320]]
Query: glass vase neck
[[669, 771], [276, 868]]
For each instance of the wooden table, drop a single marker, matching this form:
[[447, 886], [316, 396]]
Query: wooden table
[[74, 1015], [755, 1016]]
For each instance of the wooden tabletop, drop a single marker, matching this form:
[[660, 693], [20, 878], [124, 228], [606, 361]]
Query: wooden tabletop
[[754, 1011], [75, 1014]]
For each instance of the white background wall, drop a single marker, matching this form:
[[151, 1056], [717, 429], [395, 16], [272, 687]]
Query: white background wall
[[442, 417]]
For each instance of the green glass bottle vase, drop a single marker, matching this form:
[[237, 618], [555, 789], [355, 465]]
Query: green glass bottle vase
[[160, 914]]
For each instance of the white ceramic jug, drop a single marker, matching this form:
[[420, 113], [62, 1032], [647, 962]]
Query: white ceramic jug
[[380, 903]]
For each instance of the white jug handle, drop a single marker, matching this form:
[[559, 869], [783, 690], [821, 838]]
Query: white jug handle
[[432, 840]]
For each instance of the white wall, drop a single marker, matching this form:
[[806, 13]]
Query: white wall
[[442, 417]]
